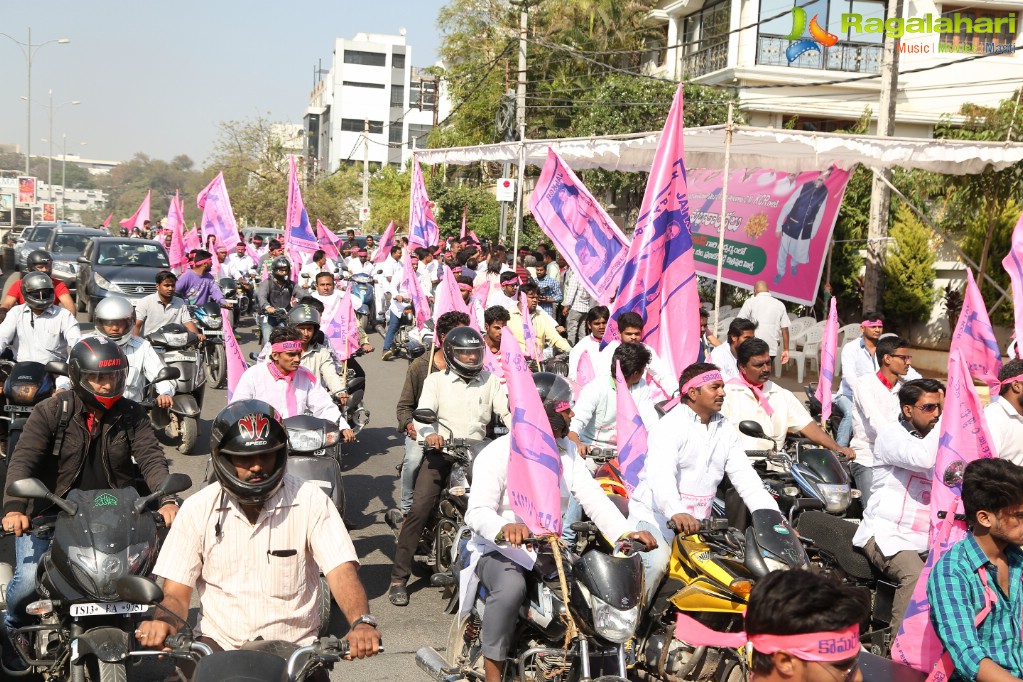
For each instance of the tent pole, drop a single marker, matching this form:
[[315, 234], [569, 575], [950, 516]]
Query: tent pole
[[724, 220], [518, 201]]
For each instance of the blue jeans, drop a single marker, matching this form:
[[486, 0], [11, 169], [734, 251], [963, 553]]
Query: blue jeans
[[655, 562], [862, 478], [409, 470], [844, 403], [393, 322], [21, 591], [572, 514]]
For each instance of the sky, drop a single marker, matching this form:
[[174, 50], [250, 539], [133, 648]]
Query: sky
[[157, 77]]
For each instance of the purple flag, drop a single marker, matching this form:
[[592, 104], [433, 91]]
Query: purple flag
[[964, 438], [176, 226], [974, 336], [659, 277], [386, 244], [328, 241], [829, 347], [632, 436], [236, 364], [534, 463], [217, 216], [141, 215], [533, 349], [448, 296], [342, 327], [1013, 264], [581, 229], [422, 228], [409, 281]]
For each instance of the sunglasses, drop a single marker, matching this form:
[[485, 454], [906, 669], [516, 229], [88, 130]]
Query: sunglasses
[[928, 408], [845, 674]]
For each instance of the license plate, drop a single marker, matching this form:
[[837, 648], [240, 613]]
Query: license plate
[[180, 357], [17, 408], [212, 332], [113, 608]]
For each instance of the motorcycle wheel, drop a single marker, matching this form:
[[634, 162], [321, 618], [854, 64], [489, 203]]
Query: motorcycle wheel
[[447, 529], [101, 671], [216, 365], [189, 429], [466, 655]]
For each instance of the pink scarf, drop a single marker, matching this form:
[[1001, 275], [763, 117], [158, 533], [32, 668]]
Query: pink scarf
[[757, 393], [290, 399]]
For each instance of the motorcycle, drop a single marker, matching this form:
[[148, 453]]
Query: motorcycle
[[405, 345], [179, 349], [214, 354], [710, 576], [277, 318], [98, 537], [354, 410], [604, 600], [314, 455], [557, 364], [235, 292], [25, 385], [362, 286]]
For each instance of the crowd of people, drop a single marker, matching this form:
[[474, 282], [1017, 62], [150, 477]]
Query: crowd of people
[[888, 431]]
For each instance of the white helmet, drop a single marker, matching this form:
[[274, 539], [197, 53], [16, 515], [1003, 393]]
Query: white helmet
[[115, 309]]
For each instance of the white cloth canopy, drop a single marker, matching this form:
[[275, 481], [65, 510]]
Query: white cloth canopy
[[783, 150]]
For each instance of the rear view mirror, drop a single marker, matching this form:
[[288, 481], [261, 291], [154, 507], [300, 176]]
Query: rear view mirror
[[166, 374], [57, 367], [175, 483], [139, 590], [753, 429], [29, 488], [83, 260], [425, 415]]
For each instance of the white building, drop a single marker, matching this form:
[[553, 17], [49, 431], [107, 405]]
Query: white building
[[371, 79], [706, 46], [75, 200], [94, 166]]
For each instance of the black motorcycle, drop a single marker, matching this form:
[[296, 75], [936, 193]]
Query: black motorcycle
[[179, 348], [278, 318], [354, 410], [25, 385], [98, 537], [214, 354], [236, 293]]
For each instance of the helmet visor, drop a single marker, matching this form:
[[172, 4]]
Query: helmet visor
[[469, 358], [114, 328], [39, 298], [105, 384]]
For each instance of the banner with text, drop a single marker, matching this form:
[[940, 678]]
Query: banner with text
[[778, 227]]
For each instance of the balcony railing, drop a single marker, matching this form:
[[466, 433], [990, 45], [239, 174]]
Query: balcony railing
[[705, 61], [845, 56]]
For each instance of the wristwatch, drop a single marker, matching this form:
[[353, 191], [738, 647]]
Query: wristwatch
[[365, 618]]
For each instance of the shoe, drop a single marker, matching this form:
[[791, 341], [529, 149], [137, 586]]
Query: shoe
[[394, 519], [793, 270], [388, 355], [11, 661], [398, 595]]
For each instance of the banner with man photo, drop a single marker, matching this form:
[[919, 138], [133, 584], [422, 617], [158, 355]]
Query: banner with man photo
[[778, 228]]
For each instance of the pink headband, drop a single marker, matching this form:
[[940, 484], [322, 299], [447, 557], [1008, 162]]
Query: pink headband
[[810, 646], [1018, 377], [202, 262], [465, 287], [562, 405], [701, 380], [872, 323], [286, 347]]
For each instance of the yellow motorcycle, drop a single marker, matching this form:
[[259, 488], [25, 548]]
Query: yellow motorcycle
[[709, 578]]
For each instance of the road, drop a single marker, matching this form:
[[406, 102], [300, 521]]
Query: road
[[371, 488]]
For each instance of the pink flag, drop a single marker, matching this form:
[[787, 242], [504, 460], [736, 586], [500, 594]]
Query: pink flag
[[492, 363], [534, 463], [533, 349], [298, 234], [829, 347], [1013, 264], [216, 264], [473, 237], [236, 364], [410, 283], [175, 225], [422, 228], [465, 211], [659, 277], [328, 241], [448, 296], [217, 216], [481, 292], [386, 244], [141, 215], [191, 240], [584, 233], [342, 327], [974, 336], [106, 223], [632, 436], [964, 437], [584, 372]]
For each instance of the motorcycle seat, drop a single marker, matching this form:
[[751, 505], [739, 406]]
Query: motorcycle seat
[[834, 536]]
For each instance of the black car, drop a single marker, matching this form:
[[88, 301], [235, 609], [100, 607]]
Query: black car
[[65, 244], [118, 266]]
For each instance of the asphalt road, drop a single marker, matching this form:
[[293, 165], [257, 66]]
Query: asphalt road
[[371, 488]]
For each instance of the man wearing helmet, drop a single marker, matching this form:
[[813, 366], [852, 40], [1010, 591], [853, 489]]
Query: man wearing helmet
[[197, 284], [290, 388], [39, 261], [465, 398], [274, 294], [274, 250], [115, 320], [39, 330], [96, 435], [282, 530], [497, 560]]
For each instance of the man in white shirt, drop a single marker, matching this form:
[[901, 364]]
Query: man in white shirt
[[575, 305], [589, 345], [359, 263], [896, 521], [386, 273], [508, 296], [876, 405], [428, 271], [319, 263], [1005, 416], [691, 449], [239, 264], [772, 321], [499, 561], [115, 319], [630, 329], [496, 264], [39, 330], [857, 361], [724, 355]]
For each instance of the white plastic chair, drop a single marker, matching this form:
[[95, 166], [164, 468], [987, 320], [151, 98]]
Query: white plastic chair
[[811, 342], [796, 329]]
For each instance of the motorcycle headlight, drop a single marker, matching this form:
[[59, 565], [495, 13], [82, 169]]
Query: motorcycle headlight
[[213, 322], [305, 441], [613, 624], [836, 496], [22, 393], [177, 339], [775, 565], [103, 283]]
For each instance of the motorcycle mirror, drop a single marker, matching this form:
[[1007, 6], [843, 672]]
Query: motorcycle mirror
[[175, 483], [953, 475], [139, 590], [748, 427], [34, 489], [166, 374], [425, 415], [57, 367]]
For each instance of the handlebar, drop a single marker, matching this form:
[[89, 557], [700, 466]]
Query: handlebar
[[328, 650], [706, 525]]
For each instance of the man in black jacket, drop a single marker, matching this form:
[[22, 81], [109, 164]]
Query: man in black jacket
[[274, 294], [80, 439]]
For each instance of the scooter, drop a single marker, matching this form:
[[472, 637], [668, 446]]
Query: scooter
[[314, 455], [179, 348], [362, 286], [354, 410], [98, 537], [235, 292], [214, 354]]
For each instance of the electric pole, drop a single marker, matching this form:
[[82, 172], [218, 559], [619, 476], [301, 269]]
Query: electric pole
[[365, 167], [520, 123]]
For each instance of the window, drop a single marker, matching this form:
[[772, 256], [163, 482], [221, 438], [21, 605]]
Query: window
[[356, 125], [398, 61], [423, 95], [365, 58], [356, 84], [398, 96], [706, 28], [964, 29], [394, 133]]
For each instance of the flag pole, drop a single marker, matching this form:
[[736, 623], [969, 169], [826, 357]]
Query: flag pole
[[723, 221], [429, 363], [518, 202]]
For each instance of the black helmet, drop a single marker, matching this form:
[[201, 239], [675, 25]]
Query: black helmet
[[280, 263], [304, 313], [556, 394], [37, 290], [94, 357], [39, 257], [244, 428], [463, 351]]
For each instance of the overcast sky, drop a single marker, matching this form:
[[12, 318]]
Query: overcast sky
[[157, 77]]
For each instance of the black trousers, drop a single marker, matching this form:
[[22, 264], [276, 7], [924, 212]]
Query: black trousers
[[433, 476]]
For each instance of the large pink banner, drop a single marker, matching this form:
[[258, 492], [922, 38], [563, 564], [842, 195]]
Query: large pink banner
[[1013, 264], [778, 228]]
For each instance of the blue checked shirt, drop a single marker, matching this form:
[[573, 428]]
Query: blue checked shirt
[[956, 595], [549, 288]]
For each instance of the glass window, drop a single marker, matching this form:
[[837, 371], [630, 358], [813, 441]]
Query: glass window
[[394, 133], [964, 33], [365, 58], [356, 84], [356, 125], [397, 96], [397, 61]]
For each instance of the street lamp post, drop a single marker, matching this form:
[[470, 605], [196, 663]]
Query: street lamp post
[[49, 164], [63, 175], [28, 50]]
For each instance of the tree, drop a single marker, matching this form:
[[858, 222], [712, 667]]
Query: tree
[[252, 156], [909, 269]]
